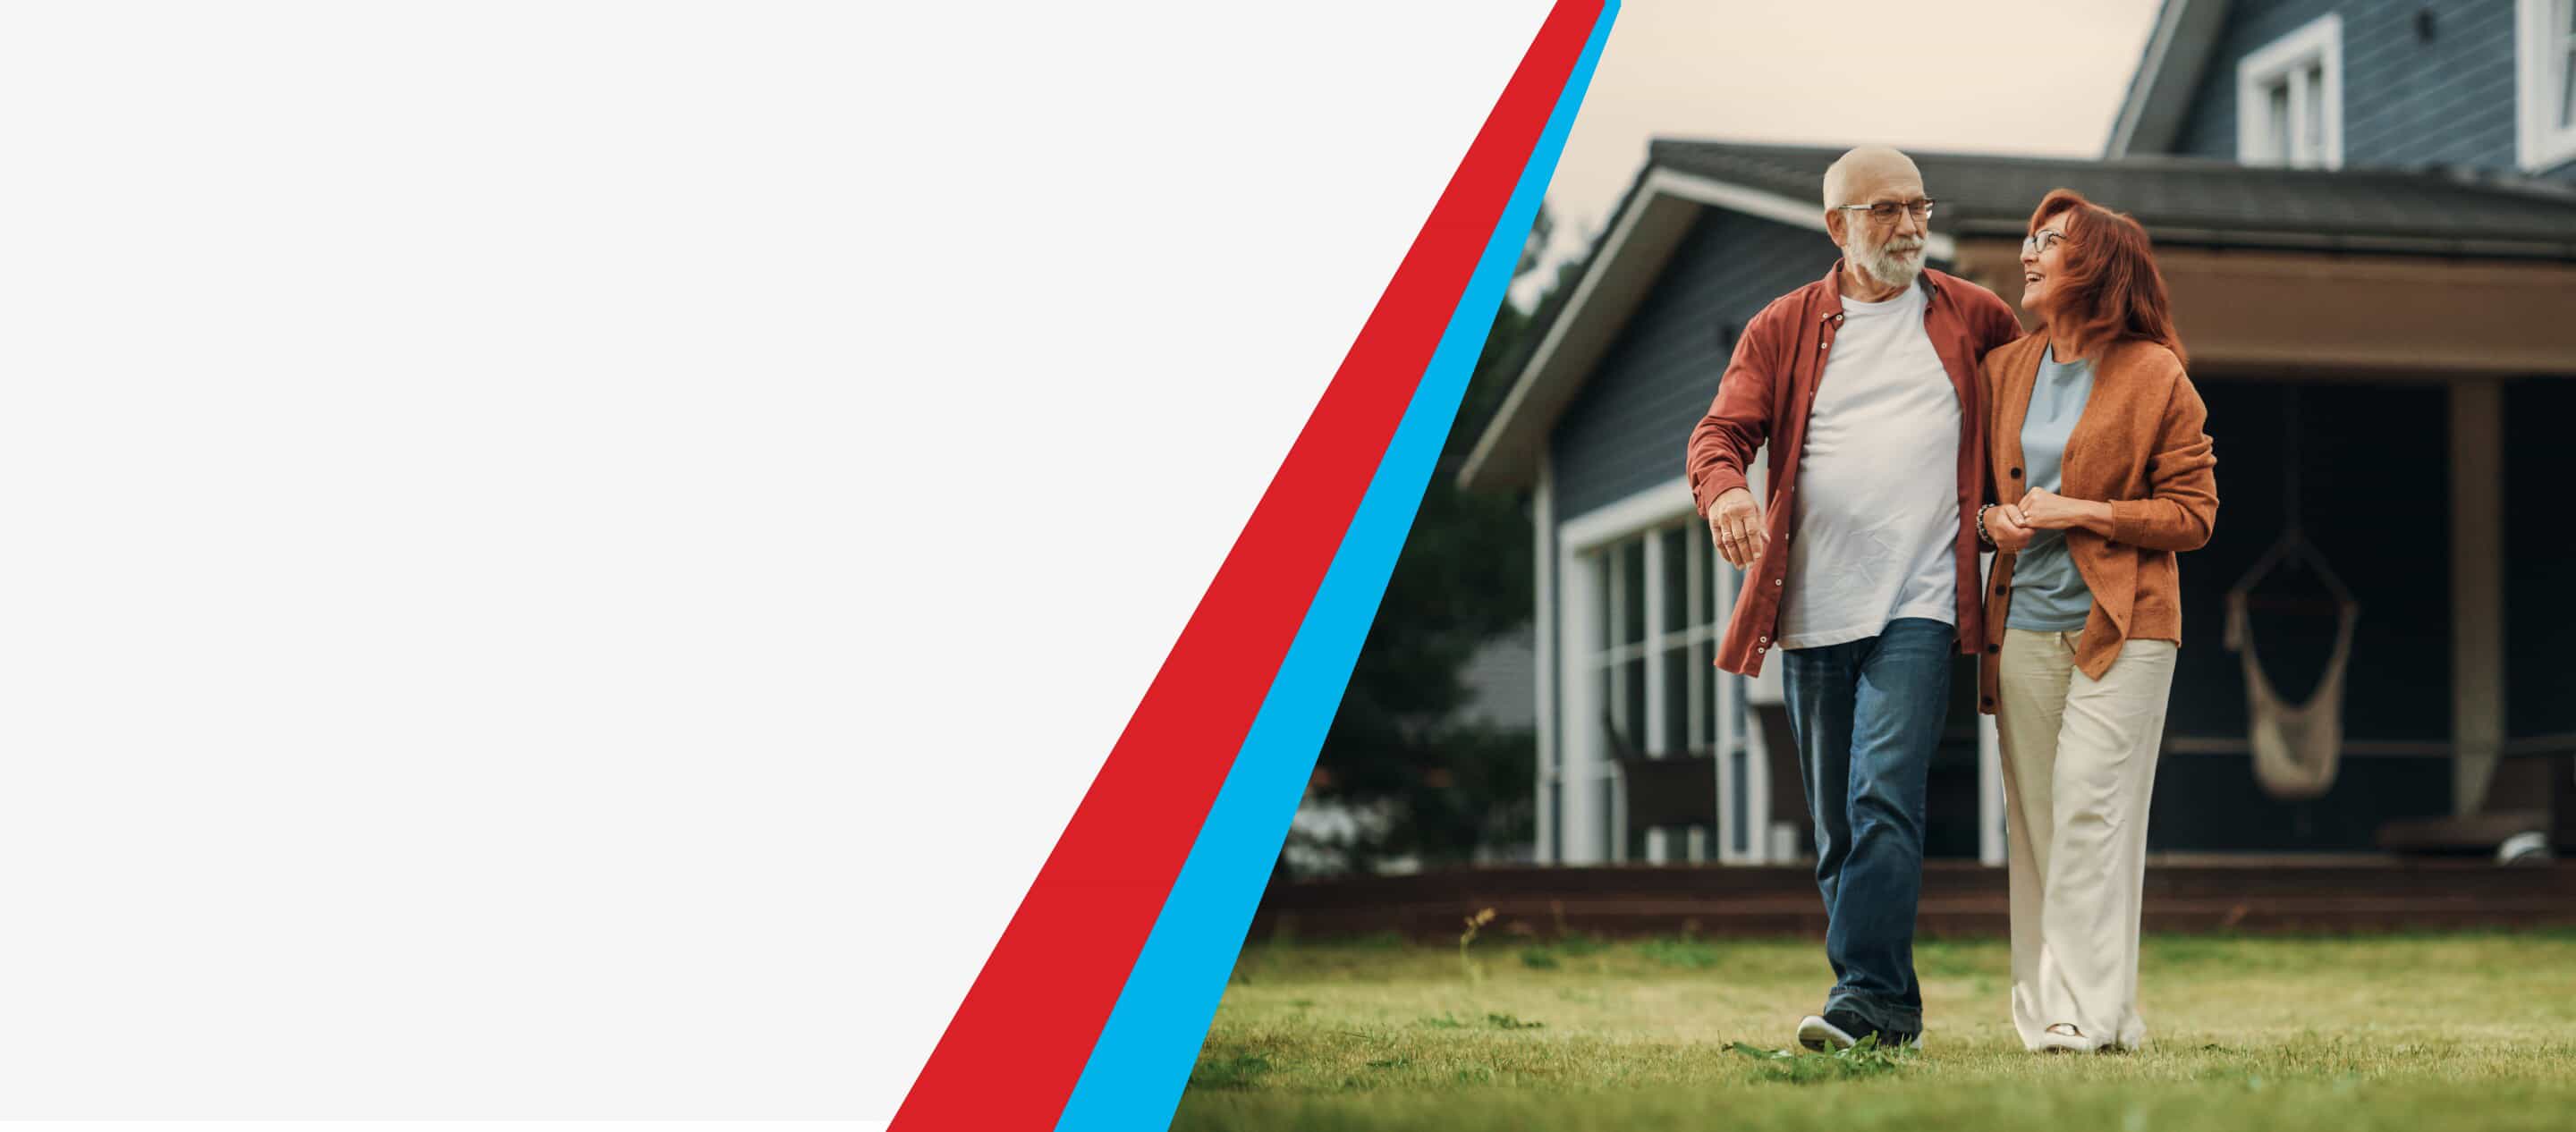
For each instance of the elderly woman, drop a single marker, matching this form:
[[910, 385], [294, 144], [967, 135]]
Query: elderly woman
[[2101, 472]]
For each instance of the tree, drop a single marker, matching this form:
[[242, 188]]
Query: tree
[[1422, 781]]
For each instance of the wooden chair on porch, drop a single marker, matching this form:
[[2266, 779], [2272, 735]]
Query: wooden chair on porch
[[1676, 791], [1664, 792], [2546, 809]]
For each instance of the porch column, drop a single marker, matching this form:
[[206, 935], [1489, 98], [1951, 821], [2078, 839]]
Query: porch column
[[1543, 625], [1990, 764], [2477, 589], [1990, 792], [1581, 819]]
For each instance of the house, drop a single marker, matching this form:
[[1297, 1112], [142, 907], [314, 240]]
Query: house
[[2367, 216]]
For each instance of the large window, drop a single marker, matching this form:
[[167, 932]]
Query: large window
[[1661, 598], [2289, 99], [2545, 74]]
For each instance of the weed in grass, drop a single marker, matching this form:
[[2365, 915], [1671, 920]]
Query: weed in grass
[[1689, 954], [1483, 917], [1570, 941], [1539, 959], [1508, 1022], [1579, 945], [1443, 1022], [1803, 1067]]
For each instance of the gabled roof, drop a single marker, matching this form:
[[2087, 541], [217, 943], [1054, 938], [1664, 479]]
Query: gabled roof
[[2184, 202], [2160, 89], [2196, 201]]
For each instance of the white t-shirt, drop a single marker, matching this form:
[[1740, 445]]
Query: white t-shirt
[[1878, 484]]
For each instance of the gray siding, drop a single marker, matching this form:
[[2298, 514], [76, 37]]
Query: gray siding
[[2407, 101], [1625, 432]]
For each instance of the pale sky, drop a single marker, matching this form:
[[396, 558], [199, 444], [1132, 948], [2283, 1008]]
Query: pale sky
[[1985, 76]]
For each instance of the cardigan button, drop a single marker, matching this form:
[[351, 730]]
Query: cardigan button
[[1994, 648], [2016, 473]]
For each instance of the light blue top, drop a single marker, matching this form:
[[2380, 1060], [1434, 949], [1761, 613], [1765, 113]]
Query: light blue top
[[2049, 596]]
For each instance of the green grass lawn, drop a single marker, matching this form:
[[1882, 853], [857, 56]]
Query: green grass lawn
[[2424, 1031]]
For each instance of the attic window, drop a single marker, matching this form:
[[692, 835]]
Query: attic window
[[2545, 76], [2289, 98]]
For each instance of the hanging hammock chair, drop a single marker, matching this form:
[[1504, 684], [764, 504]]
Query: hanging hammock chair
[[2296, 746]]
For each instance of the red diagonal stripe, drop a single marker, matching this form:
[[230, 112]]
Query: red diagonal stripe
[[1012, 1053]]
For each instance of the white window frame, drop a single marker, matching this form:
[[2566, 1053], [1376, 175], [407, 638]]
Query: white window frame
[[1589, 564], [2280, 62], [2543, 52]]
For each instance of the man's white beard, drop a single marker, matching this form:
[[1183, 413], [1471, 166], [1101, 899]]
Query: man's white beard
[[1894, 264]]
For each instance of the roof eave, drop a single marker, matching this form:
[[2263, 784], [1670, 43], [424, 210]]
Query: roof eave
[[2160, 90]]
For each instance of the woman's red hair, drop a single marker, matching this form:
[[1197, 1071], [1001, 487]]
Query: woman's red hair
[[2107, 282]]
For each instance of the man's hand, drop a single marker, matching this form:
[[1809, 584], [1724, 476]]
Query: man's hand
[[2046, 510], [2006, 525], [1735, 521]]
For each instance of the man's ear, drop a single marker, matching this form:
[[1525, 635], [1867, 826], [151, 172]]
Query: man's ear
[[1834, 225]]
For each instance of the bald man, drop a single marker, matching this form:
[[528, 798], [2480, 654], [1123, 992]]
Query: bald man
[[1861, 559]]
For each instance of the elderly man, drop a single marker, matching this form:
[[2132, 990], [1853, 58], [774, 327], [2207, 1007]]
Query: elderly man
[[1863, 555]]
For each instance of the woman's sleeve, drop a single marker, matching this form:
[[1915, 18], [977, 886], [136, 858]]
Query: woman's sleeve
[[2182, 489], [1993, 401]]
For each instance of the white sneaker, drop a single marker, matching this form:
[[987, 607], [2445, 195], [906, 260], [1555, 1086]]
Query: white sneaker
[[2064, 1037]]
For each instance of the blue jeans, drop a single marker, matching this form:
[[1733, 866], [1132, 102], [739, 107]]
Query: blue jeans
[[1866, 716]]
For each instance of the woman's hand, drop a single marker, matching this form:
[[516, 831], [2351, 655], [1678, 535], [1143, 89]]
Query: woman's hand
[[2046, 510], [2006, 526]]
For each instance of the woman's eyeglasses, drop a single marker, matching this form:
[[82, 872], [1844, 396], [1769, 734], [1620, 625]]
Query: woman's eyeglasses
[[2040, 241]]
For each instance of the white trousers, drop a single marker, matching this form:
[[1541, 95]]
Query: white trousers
[[2079, 765]]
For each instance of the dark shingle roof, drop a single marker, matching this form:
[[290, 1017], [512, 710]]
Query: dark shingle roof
[[2196, 201]]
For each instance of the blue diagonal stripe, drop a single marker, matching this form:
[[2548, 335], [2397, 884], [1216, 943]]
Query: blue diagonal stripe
[[1152, 1037]]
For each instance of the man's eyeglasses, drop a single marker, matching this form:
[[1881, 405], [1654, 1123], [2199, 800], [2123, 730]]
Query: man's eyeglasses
[[2040, 241], [1885, 211]]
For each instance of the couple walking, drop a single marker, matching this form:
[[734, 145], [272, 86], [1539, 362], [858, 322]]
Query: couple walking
[[1913, 427]]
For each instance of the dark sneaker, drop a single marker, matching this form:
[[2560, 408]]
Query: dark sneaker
[[1843, 1029], [1835, 1029]]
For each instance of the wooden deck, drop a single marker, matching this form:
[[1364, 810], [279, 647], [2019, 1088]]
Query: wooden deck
[[1959, 899]]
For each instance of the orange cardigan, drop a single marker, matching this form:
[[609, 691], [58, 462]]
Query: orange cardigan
[[2140, 447]]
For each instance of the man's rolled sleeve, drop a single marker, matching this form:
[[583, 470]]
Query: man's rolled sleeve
[[1739, 420]]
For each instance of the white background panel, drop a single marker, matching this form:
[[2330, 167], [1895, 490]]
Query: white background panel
[[571, 559]]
